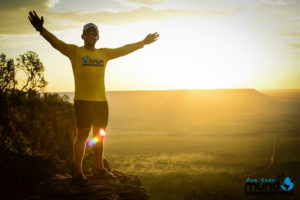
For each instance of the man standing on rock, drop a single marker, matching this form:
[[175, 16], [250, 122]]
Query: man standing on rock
[[90, 103]]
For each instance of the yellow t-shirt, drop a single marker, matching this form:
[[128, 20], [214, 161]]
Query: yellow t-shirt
[[89, 66]]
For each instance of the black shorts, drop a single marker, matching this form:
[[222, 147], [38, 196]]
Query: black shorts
[[91, 113]]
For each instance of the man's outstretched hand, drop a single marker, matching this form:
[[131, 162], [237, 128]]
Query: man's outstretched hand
[[36, 22], [151, 38]]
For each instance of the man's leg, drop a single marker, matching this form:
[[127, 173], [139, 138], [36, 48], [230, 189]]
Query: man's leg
[[79, 148], [99, 152], [98, 149]]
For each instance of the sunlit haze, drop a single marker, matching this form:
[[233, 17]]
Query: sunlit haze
[[202, 44]]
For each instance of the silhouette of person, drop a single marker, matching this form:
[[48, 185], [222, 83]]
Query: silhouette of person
[[90, 103]]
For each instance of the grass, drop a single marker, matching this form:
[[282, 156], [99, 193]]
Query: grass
[[202, 167], [190, 148]]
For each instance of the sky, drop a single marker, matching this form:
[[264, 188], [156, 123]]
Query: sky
[[203, 44]]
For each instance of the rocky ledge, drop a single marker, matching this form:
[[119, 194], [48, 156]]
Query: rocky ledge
[[40, 177], [61, 187]]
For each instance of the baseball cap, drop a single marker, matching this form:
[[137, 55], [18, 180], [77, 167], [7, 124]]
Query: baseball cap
[[90, 25]]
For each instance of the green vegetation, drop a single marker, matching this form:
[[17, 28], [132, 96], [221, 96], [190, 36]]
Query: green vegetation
[[31, 122]]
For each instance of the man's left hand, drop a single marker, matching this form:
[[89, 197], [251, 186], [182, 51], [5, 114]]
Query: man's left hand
[[151, 38]]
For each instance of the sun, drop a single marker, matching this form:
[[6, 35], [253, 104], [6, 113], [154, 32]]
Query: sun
[[207, 53]]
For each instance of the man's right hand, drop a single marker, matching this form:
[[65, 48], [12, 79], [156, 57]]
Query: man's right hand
[[36, 22]]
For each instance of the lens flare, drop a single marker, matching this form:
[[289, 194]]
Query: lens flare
[[102, 132], [99, 137]]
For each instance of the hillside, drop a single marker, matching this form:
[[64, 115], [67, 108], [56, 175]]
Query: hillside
[[209, 101], [205, 111], [204, 100]]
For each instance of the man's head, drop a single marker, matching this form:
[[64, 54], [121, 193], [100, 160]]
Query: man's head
[[90, 34]]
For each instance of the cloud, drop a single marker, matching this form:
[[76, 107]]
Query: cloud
[[16, 18], [17, 5], [52, 3], [289, 33], [146, 2], [277, 2], [13, 14], [295, 45]]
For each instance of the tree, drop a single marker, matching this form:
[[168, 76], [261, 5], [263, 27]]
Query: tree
[[7, 74], [34, 69]]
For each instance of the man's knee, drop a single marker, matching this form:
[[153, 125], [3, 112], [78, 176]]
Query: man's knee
[[99, 130], [83, 133]]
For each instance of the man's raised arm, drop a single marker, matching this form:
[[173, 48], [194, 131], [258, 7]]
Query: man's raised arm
[[37, 23], [126, 49]]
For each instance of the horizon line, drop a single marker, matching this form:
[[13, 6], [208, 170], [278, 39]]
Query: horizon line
[[185, 89]]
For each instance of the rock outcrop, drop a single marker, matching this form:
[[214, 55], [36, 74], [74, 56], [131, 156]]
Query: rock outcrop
[[39, 177], [61, 187]]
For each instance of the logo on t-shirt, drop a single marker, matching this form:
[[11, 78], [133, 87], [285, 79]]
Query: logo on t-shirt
[[87, 61]]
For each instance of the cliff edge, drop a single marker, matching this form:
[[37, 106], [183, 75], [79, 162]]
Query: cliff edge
[[40, 177]]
